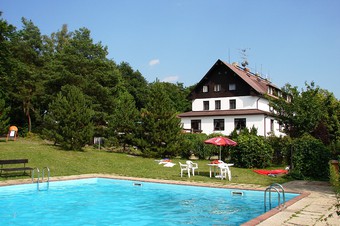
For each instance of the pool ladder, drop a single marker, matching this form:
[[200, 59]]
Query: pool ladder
[[42, 178], [276, 188]]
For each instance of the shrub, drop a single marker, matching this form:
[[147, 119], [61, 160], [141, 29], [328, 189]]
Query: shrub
[[334, 177], [194, 144], [251, 152], [335, 182], [282, 149], [310, 158]]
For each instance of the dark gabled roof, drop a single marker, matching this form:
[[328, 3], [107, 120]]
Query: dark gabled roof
[[255, 81], [223, 113], [258, 83]]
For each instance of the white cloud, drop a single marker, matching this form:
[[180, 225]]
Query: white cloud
[[154, 62], [171, 79]]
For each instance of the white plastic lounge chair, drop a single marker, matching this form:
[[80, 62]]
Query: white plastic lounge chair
[[193, 166], [224, 171], [184, 167]]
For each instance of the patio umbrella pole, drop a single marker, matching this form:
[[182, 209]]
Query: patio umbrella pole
[[220, 153]]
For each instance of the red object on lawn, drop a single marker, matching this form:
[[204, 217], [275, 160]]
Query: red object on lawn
[[273, 172], [220, 141]]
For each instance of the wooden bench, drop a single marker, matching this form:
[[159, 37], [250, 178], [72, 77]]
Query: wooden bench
[[11, 162]]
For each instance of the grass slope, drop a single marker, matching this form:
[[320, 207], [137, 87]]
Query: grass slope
[[64, 163]]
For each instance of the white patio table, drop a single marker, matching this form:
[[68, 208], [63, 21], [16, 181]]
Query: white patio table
[[212, 167]]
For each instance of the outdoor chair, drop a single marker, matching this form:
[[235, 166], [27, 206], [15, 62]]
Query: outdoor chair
[[184, 167], [193, 166], [224, 171]]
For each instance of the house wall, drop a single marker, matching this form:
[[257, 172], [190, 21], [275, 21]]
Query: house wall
[[261, 122], [242, 102]]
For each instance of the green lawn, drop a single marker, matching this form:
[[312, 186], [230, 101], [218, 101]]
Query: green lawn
[[64, 163]]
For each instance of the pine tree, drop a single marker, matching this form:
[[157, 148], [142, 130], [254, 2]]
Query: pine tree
[[161, 136], [124, 119], [69, 119]]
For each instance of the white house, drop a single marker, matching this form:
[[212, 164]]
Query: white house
[[230, 97]]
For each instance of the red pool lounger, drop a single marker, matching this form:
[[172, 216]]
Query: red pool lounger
[[271, 172]]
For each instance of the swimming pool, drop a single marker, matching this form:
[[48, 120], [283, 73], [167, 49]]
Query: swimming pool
[[100, 201]]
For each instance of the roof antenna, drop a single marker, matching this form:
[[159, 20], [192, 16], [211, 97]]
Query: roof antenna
[[229, 55], [244, 57]]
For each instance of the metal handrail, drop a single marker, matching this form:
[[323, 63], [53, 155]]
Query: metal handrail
[[270, 197], [42, 178], [48, 178], [270, 188], [38, 172], [283, 192]]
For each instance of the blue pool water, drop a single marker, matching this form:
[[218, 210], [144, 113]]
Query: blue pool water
[[99, 201]]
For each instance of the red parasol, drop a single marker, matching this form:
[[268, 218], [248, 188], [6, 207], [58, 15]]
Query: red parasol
[[220, 141]]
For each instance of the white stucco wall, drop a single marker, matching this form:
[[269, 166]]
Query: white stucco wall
[[242, 102], [261, 122]]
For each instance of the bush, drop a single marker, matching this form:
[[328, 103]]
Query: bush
[[334, 177], [335, 182], [282, 149], [194, 144], [310, 158], [251, 152]]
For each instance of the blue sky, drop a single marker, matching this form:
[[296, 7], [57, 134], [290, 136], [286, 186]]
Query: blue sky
[[288, 41]]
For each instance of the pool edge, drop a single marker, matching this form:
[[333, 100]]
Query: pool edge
[[254, 221]]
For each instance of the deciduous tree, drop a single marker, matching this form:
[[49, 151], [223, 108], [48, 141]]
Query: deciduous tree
[[313, 111]]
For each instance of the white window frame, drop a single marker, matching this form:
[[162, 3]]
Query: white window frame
[[205, 89], [232, 86], [217, 87], [238, 120], [217, 104], [221, 121], [206, 103], [230, 101], [197, 122]]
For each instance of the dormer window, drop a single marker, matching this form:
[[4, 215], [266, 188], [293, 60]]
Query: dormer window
[[289, 99], [205, 89], [232, 86], [270, 90], [217, 87]]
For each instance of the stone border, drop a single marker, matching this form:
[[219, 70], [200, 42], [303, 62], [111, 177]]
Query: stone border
[[274, 211]]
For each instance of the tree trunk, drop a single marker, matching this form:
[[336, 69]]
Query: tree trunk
[[29, 122]]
